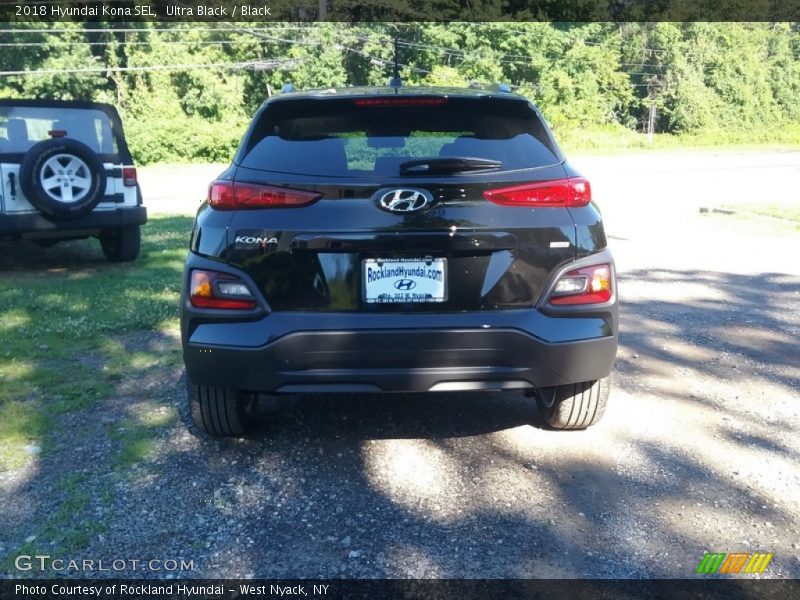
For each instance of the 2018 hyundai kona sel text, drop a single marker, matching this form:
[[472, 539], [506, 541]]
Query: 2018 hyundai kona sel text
[[398, 239]]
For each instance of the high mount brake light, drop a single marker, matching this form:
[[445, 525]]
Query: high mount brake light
[[410, 101], [210, 289], [571, 192], [587, 285], [230, 195]]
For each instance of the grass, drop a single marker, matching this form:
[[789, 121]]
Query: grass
[[786, 212], [135, 436], [67, 529], [79, 333], [66, 316], [768, 218], [616, 139]]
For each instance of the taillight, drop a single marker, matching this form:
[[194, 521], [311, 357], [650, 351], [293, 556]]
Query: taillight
[[587, 285], [210, 289], [129, 177], [400, 101], [230, 195], [569, 192]]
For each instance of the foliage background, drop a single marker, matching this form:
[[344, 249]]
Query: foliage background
[[187, 91]]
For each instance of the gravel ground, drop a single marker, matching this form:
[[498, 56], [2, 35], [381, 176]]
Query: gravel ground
[[698, 450]]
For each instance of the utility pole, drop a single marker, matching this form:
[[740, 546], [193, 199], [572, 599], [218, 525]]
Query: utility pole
[[654, 85], [322, 12], [651, 122]]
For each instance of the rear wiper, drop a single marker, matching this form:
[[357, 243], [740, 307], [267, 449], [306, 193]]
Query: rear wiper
[[447, 165]]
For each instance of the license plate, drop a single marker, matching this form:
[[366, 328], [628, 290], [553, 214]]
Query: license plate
[[402, 280]]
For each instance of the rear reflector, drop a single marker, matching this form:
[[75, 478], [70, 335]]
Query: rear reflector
[[410, 101], [587, 285], [210, 289], [569, 192], [129, 176], [229, 195]]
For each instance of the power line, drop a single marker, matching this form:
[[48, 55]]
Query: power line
[[127, 43], [257, 65], [150, 29], [507, 58], [262, 33]]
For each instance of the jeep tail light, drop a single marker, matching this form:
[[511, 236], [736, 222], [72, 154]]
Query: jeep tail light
[[587, 285], [210, 289], [129, 177], [569, 192], [230, 195]]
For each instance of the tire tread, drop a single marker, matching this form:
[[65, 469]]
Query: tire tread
[[220, 412], [576, 405]]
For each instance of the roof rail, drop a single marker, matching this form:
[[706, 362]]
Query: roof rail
[[288, 88], [500, 87]]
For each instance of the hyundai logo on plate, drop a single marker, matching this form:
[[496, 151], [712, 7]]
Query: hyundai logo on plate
[[404, 200], [405, 284]]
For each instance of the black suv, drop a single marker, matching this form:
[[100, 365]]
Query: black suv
[[398, 240], [66, 173]]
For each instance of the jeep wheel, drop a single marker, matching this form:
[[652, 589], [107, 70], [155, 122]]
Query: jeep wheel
[[63, 178], [220, 412], [574, 406], [121, 245]]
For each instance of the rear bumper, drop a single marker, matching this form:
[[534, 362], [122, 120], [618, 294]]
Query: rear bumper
[[32, 225], [345, 352]]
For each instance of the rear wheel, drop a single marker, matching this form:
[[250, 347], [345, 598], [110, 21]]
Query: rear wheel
[[121, 245], [574, 406], [220, 412]]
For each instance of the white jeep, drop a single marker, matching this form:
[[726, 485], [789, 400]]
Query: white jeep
[[66, 173]]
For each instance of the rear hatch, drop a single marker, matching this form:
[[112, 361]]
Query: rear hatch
[[24, 123], [395, 216]]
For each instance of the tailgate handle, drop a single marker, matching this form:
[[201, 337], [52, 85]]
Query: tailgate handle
[[466, 240]]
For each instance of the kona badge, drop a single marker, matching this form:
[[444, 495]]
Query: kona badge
[[254, 239]]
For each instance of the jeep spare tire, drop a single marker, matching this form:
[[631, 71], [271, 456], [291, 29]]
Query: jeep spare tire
[[63, 178]]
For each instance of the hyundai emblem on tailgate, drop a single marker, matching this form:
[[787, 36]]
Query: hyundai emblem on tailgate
[[404, 200]]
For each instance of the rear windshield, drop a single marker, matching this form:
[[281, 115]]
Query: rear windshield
[[339, 138], [23, 126]]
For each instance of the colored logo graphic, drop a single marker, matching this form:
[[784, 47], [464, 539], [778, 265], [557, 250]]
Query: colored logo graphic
[[405, 284], [742, 562]]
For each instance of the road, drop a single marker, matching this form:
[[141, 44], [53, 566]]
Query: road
[[699, 450]]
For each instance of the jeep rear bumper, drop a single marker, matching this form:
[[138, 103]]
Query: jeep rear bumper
[[35, 225]]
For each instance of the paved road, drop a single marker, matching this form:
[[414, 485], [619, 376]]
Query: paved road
[[699, 450]]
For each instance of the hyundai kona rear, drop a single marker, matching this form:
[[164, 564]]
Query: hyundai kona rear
[[398, 240]]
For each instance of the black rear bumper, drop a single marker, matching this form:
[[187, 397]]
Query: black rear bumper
[[33, 225], [296, 352]]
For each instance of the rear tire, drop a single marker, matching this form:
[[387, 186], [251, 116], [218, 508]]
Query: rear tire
[[574, 406], [121, 245], [220, 412], [63, 178]]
